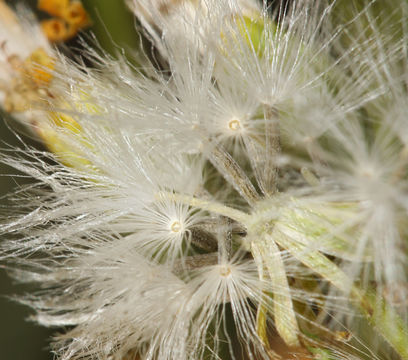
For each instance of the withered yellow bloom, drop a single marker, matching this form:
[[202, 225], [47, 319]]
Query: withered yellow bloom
[[69, 17], [27, 88]]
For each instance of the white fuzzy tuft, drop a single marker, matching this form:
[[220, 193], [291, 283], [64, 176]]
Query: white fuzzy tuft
[[250, 185]]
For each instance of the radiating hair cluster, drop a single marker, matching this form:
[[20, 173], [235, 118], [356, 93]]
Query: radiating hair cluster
[[241, 193]]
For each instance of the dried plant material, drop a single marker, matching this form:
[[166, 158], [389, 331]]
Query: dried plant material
[[55, 30], [70, 17]]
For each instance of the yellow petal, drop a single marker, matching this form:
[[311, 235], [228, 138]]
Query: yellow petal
[[55, 30], [39, 66]]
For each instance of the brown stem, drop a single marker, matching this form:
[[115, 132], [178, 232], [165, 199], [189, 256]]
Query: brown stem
[[233, 173], [195, 262]]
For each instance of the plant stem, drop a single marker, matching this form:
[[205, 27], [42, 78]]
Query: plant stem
[[378, 313], [211, 206], [387, 322], [233, 173], [203, 239], [266, 252], [195, 262], [263, 154]]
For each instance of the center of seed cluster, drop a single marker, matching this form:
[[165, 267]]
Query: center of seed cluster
[[234, 125], [225, 271], [175, 227]]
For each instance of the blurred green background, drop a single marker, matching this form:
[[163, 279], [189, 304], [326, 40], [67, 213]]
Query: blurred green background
[[19, 339]]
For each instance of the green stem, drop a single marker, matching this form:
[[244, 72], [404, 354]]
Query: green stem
[[211, 206], [378, 313], [267, 252], [387, 322]]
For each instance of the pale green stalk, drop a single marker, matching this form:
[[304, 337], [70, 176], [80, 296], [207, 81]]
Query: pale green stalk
[[211, 206], [378, 313], [265, 251]]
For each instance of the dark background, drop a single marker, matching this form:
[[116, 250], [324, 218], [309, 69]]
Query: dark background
[[19, 338]]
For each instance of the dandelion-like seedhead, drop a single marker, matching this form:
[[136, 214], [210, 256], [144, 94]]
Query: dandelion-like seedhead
[[240, 195]]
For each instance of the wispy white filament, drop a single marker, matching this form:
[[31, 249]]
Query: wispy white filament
[[237, 189]]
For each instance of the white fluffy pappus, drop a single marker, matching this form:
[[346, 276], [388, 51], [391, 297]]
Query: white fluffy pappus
[[304, 210]]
